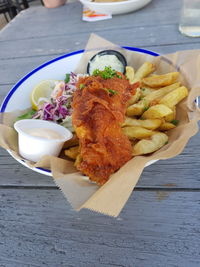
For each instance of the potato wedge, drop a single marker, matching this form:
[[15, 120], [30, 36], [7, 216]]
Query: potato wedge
[[161, 80], [134, 132], [146, 146], [78, 160], [135, 97], [143, 71], [72, 152], [166, 126], [130, 73], [158, 94], [146, 90], [74, 141], [157, 112], [174, 97], [147, 124], [138, 108], [171, 116]]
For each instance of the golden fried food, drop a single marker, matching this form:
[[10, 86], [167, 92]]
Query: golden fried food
[[136, 132], [150, 124], [99, 107], [150, 145], [72, 152], [174, 97], [161, 80], [157, 112]]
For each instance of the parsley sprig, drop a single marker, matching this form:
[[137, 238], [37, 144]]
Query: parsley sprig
[[107, 73]]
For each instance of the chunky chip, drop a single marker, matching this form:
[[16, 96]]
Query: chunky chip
[[146, 146], [161, 80]]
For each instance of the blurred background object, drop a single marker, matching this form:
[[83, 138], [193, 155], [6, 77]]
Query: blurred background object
[[114, 7], [10, 8], [190, 18], [53, 3]]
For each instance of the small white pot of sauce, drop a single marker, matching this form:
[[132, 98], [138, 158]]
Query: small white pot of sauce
[[37, 138]]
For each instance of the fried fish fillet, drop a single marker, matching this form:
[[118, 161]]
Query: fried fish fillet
[[98, 111]]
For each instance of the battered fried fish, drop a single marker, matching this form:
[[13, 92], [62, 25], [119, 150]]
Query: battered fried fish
[[99, 106]]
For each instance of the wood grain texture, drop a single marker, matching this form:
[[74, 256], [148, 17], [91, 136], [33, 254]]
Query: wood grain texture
[[38, 228], [159, 226], [70, 21], [42, 46]]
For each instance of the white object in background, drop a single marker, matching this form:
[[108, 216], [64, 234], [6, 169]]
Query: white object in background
[[190, 18], [53, 3], [90, 15], [34, 148], [115, 8]]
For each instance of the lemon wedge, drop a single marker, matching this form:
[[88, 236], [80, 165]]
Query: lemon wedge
[[42, 92]]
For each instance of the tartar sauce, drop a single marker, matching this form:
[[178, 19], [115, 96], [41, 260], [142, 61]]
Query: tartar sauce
[[100, 62], [44, 133]]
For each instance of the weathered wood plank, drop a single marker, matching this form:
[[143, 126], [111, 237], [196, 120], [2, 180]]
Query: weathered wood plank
[[38, 227], [10, 74], [45, 21], [179, 172], [146, 38]]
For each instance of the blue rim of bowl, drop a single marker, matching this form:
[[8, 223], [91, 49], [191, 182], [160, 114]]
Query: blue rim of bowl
[[11, 92]]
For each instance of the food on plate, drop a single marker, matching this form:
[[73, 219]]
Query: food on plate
[[74, 141], [137, 132], [45, 133], [156, 112], [146, 146], [111, 58], [151, 98], [37, 138], [171, 116], [115, 112], [42, 92], [165, 126], [72, 152], [144, 71], [130, 74], [99, 106], [150, 124], [174, 97], [54, 100], [161, 80]]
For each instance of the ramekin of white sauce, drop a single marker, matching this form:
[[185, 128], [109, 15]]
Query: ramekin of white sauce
[[37, 138]]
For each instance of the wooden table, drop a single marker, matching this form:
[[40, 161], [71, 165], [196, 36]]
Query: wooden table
[[159, 226]]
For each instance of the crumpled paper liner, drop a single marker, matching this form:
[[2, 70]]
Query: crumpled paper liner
[[110, 198]]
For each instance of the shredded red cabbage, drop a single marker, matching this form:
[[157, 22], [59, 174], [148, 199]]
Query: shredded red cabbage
[[59, 107]]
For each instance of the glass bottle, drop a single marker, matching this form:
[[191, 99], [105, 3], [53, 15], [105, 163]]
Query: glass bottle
[[190, 18]]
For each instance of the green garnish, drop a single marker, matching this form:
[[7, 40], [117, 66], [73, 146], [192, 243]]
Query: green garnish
[[82, 86], [27, 115], [119, 76], [146, 108], [175, 122], [113, 92], [67, 78], [143, 89], [166, 142], [107, 73]]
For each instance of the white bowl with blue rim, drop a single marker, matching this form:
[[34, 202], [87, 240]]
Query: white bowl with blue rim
[[53, 69], [115, 8]]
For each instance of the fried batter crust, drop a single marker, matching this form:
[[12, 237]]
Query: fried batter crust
[[97, 115]]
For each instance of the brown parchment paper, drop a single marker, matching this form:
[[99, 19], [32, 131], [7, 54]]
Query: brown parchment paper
[[110, 198]]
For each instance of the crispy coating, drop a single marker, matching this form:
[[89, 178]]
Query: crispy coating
[[98, 111]]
